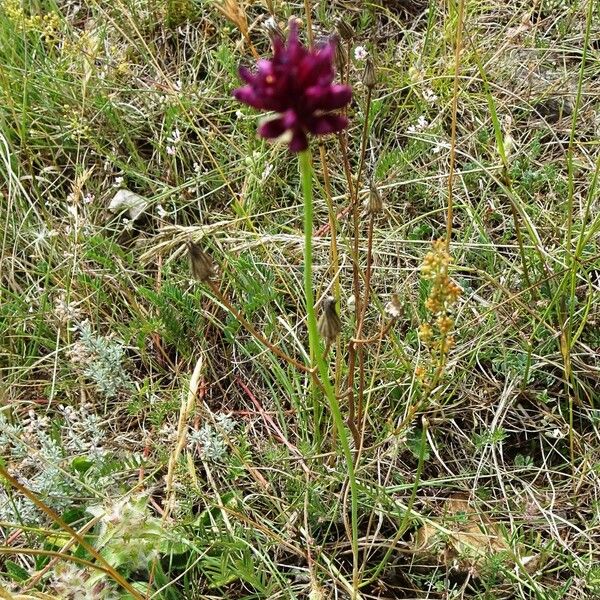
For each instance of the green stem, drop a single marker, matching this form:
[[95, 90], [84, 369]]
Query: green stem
[[317, 356]]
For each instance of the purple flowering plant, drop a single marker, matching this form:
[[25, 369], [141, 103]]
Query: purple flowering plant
[[297, 85]]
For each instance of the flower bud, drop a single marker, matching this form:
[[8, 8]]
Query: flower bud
[[330, 323], [369, 75], [201, 264]]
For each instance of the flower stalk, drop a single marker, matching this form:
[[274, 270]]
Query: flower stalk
[[297, 86], [316, 353]]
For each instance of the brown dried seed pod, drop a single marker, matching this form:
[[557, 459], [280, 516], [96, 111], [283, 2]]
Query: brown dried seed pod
[[375, 203], [201, 264], [330, 323], [394, 307], [341, 58], [344, 29], [369, 74]]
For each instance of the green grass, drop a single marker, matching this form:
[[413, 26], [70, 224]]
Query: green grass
[[478, 473]]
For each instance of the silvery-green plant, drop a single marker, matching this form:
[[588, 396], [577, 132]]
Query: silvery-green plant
[[40, 459], [102, 361], [44, 453], [210, 441]]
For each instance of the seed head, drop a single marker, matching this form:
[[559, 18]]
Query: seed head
[[330, 323], [369, 74], [375, 203], [344, 29]]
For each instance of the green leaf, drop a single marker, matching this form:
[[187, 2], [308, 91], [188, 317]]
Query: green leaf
[[81, 464], [16, 572]]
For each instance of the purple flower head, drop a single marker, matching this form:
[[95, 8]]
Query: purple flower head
[[296, 84]]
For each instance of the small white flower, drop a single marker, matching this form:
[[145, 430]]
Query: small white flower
[[420, 125], [429, 96], [118, 182], [556, 434], [438, 147], [239, 114], [175, 136], [88, 198], [173, 141], [66, 311], [160, 211], [271, 23], [360, 53]]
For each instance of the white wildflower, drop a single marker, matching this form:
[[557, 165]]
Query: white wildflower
[[439, 147], [556, 434], [394, 307], [66, 311], [429, 96], [360, 53], [420, 125], [175, 137]]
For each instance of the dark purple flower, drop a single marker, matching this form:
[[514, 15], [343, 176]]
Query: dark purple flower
[[297, 84]]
